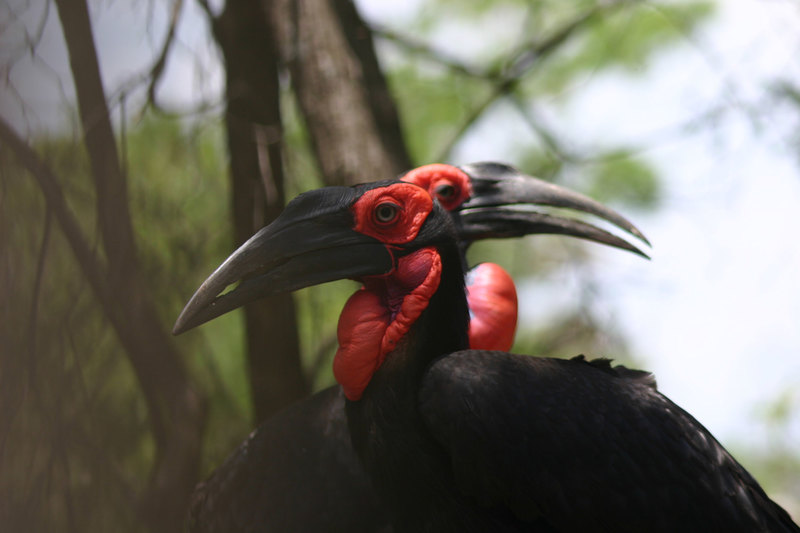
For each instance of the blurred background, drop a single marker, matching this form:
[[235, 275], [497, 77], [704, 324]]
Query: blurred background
[[140, 141]]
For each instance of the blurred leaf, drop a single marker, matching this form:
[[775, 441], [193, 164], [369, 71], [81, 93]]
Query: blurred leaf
[[540, 163], [432, 104], [619, 177], [626, 39]]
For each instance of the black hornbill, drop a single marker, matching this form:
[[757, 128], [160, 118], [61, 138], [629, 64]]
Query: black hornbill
[[470, 440], [298, 471]]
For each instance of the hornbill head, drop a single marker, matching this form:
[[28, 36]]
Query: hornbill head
[[353, 232], [494, 200]]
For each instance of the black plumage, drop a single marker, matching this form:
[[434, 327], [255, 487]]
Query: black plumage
[[298, 471], [461, 440], [491, 441]]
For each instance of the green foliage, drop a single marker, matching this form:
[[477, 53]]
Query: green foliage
[[540, 163], [432, 104], [626, 39], [625, 36], [77, 437], [302, 172], [619, 177], [178, 179], [776, 464], [75, 433]]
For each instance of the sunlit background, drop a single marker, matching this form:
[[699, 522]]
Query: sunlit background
[[710, 117]]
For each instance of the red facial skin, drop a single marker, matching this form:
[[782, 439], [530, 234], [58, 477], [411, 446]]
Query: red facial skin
[[377, 316], [448, 184], [412, 205]]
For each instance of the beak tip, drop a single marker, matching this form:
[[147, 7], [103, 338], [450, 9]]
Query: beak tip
[[187, 319], [180, 325], [641, 237]]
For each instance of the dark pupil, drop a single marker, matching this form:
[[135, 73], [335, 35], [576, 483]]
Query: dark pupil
[[385, 212], [445, 191]]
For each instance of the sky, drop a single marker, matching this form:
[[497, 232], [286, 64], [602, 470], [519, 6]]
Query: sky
[[716, 313]]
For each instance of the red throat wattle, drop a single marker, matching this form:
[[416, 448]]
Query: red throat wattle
[[492, 300], [377, 316]]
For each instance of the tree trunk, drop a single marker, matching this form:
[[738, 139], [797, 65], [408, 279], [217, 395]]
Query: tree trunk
[[176, 410], [354, 129], [255, 135], [349, 112]]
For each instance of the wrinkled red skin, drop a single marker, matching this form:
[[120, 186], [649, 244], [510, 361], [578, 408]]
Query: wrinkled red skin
[[377, 316], [492, 300]]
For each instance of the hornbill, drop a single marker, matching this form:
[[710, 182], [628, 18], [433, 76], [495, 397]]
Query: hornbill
[[298, 471], [469, 440]]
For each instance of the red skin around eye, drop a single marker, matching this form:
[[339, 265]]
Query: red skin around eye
[[492, 300], [430, 177], [414, 202]]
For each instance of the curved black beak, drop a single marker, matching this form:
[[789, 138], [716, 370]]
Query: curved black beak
[[501, 202], [311, 242]]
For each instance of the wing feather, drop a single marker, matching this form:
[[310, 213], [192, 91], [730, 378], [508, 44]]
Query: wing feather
[[583, 446]]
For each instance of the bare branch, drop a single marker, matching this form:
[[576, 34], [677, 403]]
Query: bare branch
[[420, 48], [547, 136], [527, 54], [201, 109], [54, 196], [32, 41], [520, 62], [158, 67], [730, 88], [37, 285], [474, 115], [28, 50], [205, 6]]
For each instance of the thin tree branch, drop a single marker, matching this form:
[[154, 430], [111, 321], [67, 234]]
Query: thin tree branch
[[422, 49], [547, 136], [205, 6], [30, 41], [529, 53], [176, 411], [37, 288], [113, 214], [520, 62], [158, 67], [466, 124], [90, 264]]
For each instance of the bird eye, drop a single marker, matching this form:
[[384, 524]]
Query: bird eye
[[445, 191], [386, 212]]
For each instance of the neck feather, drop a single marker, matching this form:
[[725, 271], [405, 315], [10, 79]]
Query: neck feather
[[386, 428]]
